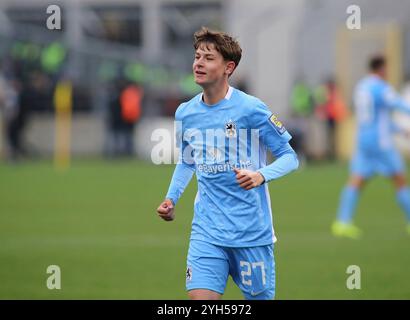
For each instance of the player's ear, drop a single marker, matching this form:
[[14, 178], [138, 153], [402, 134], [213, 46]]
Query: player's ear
[[230, 67]]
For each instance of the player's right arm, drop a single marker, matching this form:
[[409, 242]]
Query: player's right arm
[[180, 179], [394, 101], [183, 173]]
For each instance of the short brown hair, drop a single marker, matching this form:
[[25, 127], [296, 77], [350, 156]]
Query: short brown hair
[[227, 46], [376, 63]]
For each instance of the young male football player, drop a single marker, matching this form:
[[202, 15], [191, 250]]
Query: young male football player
[[225, 134], [374, 101]]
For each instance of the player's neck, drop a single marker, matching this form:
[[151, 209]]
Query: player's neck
[[378, 75], [215, 93]]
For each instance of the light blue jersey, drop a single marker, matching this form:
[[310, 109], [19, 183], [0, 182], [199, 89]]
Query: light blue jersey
[[374, 101], [375, 152], [236, 132]]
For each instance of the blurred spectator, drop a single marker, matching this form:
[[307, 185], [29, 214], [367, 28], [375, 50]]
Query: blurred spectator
[[125, 107], [301, 103], [301, 99], [331, 108], [2, 107], [15, 115]]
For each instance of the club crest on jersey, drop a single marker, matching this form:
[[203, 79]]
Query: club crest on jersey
[[188, 274], [230, 129], [280, 128]]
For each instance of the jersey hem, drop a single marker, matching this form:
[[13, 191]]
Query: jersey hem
[[240, 245]]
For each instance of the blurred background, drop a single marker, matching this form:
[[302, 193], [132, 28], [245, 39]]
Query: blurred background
[[85, 99]]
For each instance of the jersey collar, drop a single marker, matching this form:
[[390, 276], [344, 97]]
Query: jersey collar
[[227, 96]]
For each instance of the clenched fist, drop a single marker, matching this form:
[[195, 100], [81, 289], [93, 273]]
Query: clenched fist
[[166, 210], [248, 179]]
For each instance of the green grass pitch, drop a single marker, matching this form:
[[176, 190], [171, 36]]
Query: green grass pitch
[[98, 223]]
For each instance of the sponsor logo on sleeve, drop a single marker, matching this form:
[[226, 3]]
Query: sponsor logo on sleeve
[[280, 128]]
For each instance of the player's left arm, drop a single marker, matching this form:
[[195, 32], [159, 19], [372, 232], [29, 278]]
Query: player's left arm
[[286, 161], [394, 101], [275, 137]]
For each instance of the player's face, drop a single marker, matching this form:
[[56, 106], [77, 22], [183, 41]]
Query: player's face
[[209, 66]]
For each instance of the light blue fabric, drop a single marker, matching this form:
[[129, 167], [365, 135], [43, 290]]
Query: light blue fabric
[[252, 269], [237, 132], [375, 153], [348, 203], [374, 99]]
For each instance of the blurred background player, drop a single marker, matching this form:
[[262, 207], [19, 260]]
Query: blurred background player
[[374, 101], [232, 232]]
